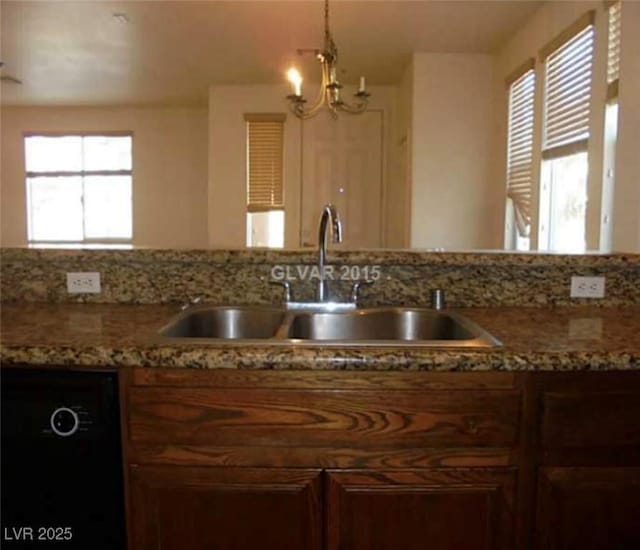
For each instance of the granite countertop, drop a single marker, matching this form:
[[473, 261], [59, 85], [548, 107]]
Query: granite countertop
[[562, 338]]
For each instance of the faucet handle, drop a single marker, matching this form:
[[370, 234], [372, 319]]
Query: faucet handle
[[287, 289], [355, 289]]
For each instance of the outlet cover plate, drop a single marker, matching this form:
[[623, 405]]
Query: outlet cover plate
[[587, 287], [87, 282]]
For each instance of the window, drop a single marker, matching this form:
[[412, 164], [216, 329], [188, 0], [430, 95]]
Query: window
[[568, 68], [265, 189], [564, 184], [520, 156], [78, 188]]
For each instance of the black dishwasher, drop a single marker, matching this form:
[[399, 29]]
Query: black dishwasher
[[62, 482]]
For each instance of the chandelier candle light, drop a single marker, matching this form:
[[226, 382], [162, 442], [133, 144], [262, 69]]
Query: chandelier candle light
[[329, 93]]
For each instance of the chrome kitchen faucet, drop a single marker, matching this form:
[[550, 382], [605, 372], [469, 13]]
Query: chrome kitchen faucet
[[329, 214]]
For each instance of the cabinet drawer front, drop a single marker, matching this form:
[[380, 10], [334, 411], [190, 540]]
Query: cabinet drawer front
[[590, 419], [299, 418]]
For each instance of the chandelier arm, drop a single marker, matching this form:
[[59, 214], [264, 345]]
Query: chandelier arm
[[353, 109], [322, 93], [359, 105]]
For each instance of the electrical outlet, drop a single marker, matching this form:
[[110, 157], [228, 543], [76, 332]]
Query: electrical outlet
[[587, 287], [83, 283]]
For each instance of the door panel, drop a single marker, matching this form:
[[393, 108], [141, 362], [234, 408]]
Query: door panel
[[588, 509], [225, 508], [414, 510], [342, 164]]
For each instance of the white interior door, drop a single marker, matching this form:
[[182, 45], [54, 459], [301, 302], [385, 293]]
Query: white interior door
[[342, 164]]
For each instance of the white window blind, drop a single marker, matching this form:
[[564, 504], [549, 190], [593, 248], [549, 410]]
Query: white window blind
[[520, 147], [567, 93], [265, 141], [613, 50]]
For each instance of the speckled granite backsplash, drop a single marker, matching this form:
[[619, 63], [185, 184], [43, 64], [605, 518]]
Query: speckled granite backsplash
[[241, 277]]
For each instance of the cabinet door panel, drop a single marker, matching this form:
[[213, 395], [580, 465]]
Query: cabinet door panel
[[225, 509], [588, 509], [434, 509]]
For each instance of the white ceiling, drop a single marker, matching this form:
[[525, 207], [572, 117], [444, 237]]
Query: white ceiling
[[169, 52]]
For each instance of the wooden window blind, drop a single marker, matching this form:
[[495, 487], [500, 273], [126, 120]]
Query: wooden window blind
[[265, 143], [613, 50], [567, 93], [520, 145]]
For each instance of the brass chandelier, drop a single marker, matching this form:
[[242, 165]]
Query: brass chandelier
[[329, 93]]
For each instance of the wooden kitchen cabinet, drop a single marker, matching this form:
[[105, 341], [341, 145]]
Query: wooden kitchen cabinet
[[225, 508], [338, 460], [240, 459], [237, 509], [588, 479]]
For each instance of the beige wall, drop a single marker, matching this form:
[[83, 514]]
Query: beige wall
[[626, 206], [450, 151], [398, 197], [169, 168]]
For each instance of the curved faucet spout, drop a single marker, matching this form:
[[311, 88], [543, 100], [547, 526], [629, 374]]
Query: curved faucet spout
[[329, 214]]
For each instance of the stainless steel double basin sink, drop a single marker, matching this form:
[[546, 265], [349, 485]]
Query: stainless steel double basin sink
[[380, 326]]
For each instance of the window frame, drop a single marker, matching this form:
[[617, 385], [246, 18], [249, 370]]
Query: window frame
[[76, 173]]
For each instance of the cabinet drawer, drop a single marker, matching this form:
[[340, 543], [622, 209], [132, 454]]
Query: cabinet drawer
[[312, 418], [590, 419]]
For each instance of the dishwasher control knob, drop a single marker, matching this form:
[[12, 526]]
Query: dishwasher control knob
[[64, 421]]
